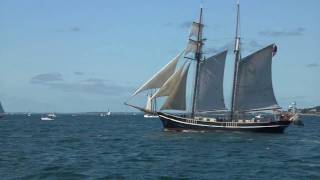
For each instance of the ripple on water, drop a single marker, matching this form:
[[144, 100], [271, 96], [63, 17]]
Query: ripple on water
[[130, 147]]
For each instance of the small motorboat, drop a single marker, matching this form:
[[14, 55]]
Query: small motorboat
[[51, 115], [46, 118]]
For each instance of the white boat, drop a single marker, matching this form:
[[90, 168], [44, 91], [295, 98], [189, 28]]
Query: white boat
[[46, 119], [52, 115], [150, 116], [108, 113]]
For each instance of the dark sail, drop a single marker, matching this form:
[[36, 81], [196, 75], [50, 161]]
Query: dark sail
[[254, 89], [210, 90]]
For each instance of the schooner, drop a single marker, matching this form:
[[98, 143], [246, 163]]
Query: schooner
[[252, 89]]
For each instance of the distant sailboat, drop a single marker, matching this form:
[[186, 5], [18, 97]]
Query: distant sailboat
[[2, 113], [109, 112], [252, 89]]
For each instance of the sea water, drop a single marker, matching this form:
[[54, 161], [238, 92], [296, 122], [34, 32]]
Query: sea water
[[131, 147]]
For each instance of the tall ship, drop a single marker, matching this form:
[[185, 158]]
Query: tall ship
[[253, 108]]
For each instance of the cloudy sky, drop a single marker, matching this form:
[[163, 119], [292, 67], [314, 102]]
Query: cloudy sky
[[72, 56]]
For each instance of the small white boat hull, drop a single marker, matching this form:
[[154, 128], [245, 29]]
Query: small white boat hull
[[150, 116], [46, 119]]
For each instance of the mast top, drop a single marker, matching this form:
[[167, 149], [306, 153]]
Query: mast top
[[237, 43]]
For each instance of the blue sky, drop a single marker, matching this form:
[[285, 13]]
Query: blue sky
[[72, 56]]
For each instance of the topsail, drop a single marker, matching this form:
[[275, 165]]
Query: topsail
[[195, 29], [191, 47], [254, 89]]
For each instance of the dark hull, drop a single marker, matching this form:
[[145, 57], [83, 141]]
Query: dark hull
[[177, 123]]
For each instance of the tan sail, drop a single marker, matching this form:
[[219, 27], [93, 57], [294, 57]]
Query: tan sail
[[160, 77], [175, 89]]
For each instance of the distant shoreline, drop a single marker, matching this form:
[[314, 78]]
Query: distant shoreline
[[308, 114]]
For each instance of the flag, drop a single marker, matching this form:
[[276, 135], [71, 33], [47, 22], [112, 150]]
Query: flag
[[275, 49]]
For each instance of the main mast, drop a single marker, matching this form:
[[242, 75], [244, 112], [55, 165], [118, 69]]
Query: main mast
[[236, 62], [198, 56]]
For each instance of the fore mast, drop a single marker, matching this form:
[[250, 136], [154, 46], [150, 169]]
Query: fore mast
[[198, 56]]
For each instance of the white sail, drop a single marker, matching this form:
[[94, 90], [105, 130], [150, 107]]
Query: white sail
[[170, 84], [210, 84], [254, 89], [191, 47], [149, 105], [195, 28], [160, 77], [177, 98], [175, 89]]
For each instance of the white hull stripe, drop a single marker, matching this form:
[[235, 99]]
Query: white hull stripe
[[221, 126]]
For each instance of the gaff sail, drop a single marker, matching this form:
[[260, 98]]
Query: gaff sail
[[254, 89]]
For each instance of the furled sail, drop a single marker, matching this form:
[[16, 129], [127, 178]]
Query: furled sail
[[175, 89], [149, 104], [210, 84], [160, 77], [254, 89]]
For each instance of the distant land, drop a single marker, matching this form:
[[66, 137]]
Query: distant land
[[307, 111], [77, 113], [310, 111], [304, 111]]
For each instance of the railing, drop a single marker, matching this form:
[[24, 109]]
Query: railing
[[231, 124], [191, 121]]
